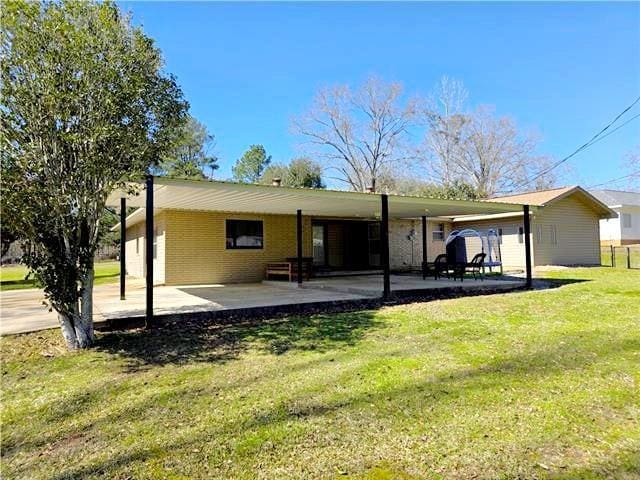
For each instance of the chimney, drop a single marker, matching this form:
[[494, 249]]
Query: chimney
[[276, 181]]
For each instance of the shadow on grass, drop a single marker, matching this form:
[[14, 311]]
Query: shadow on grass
[[545, 283], [443, 388], [195, 342]]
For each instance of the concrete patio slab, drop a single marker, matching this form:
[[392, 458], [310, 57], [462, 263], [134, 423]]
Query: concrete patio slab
[[23, 310], [371, 285]]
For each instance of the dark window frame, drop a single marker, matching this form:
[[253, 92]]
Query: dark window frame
[[234, 235]]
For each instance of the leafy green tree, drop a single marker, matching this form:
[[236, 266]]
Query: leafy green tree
[[301, 172], [250, 167], [85, 109], [455, 190], [304, 172], [275, 170], [192, 156]]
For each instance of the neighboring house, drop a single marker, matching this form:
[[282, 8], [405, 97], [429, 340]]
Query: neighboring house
[[564, 229], [220, 232], [624, 229]]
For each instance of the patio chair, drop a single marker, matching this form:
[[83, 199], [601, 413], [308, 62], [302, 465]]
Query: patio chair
[[475, 265], [440, 266]]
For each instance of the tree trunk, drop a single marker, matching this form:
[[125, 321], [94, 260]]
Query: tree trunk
[[84, 325], [68, 331], [77, 328]]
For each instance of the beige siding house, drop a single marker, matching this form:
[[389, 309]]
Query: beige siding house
[[565, 230]]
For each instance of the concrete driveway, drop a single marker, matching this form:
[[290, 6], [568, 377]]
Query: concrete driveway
[[22, 311]]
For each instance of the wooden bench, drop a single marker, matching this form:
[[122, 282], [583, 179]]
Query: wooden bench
[[289, 269]]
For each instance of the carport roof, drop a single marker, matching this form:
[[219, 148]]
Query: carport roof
[[207, 195]]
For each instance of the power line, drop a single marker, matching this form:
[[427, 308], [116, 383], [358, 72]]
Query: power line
[[615, 129], [593, 140], [615, 179]]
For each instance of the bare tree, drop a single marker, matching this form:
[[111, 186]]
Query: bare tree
[[445, 121], [361, 134], [632, 167], [496, 158]]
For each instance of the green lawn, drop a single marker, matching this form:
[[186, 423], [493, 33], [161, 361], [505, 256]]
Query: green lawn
[[12, 277], [542, 384], [621, 254]]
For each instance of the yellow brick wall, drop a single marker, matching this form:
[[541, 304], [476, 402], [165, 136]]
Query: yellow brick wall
[[196, 250], [404, 254], [135, 249]]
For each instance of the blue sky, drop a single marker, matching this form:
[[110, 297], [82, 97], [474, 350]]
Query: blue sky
[[563, 70]]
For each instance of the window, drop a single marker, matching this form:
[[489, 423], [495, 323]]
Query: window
[[500, 236], [520, 234], [137, 245], [539, 238], [553, 235], [244, 234], [626, 220], [438, 233]]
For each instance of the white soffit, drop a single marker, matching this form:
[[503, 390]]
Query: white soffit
[[266, 199]]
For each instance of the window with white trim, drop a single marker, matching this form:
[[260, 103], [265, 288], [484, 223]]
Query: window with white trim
[[520, 234], [539, 237], [438, 234], [626, 220]]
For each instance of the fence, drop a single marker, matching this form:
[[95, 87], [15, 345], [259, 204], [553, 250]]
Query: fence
[[14, 254], [621, 257]]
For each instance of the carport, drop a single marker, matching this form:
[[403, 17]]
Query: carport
[[172, 194]]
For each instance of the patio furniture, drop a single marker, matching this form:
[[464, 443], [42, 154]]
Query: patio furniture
[[441, 266], [475, 265], [288, 269], [489, 244], [307, 264]]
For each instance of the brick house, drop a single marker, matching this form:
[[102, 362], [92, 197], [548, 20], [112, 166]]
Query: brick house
[[209, 232]]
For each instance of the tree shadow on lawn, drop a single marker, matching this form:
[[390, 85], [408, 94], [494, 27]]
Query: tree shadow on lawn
[[443, 388], [195, 341], [215, 343], [568, 357]]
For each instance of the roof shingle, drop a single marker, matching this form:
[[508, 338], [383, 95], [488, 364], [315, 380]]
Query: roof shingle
[[539, 198]]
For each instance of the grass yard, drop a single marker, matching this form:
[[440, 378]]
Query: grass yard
[[621, 255], [541, 384], [12, 277]]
